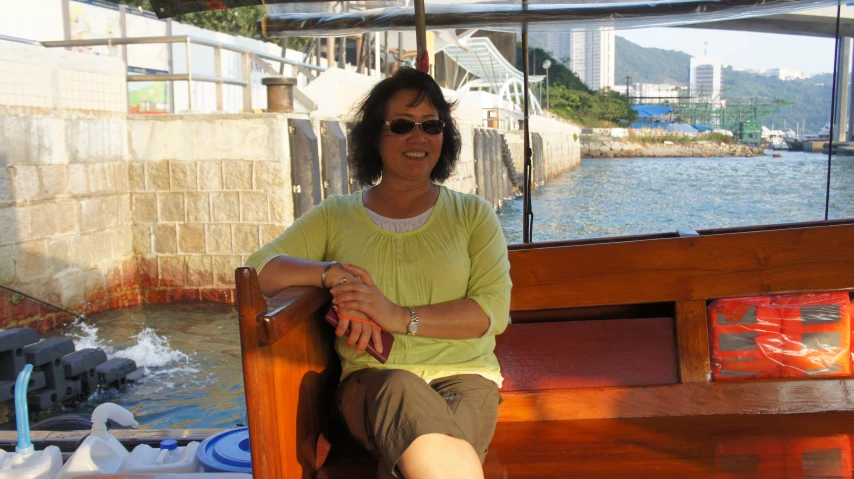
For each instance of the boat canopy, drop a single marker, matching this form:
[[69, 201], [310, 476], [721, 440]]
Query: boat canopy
[[314, 18]]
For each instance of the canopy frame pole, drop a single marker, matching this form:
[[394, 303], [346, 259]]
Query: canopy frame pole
[[420, 35], [527, 212]]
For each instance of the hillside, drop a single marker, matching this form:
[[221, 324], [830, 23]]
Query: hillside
[[810, 98], [649, 65]]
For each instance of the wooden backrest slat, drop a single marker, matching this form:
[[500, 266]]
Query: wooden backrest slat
[[684, 269]]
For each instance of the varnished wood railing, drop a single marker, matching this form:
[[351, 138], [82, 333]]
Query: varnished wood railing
[[289, 372], [290, 368]]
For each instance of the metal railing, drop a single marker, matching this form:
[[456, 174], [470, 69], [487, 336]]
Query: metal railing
[[248, 58], [19, 40]]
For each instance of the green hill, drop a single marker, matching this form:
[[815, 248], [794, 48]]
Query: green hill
[[809, 98], [649, 65]]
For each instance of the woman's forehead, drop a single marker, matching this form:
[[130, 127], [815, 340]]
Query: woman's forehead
[[406, 102]]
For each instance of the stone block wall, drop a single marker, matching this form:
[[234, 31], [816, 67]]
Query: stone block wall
[[65, 212], [561, 145], [206, 191]]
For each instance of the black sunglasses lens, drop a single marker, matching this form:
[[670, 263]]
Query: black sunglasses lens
[[401, 127], [432, 127]]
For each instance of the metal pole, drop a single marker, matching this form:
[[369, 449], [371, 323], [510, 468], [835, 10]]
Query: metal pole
[[218, 69], [548, 98], [189, 78], [247, 77], [385, 55], [66, 21], [123, 27], [170, 61], [420, 32], [527, 213]]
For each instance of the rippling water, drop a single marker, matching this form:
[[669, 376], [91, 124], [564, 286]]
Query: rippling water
[[190, 354], [616, 197]]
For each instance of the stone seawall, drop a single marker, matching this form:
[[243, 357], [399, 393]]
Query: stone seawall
[[613, 148]]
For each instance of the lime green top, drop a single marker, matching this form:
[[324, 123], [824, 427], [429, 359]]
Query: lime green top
[[460, 252]]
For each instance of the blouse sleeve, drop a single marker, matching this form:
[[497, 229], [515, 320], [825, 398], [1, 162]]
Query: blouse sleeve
[[306, 238], [489, 281]]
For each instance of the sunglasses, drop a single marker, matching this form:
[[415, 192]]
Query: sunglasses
[[402, 126]]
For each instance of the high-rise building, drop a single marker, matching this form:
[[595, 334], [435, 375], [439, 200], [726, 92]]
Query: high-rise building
[[590, 53], [706, 78]]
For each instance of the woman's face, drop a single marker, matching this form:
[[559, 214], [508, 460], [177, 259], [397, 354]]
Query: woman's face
[[411, 156]]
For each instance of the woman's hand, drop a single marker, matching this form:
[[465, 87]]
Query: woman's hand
[[360, 333], [366, 298]]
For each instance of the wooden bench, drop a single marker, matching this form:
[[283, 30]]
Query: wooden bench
[[607, 362]]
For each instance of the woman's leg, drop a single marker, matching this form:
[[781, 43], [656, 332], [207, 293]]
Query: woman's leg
[[473, 400], [392, 411]]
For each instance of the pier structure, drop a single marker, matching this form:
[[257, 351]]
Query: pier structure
[[820, 22]]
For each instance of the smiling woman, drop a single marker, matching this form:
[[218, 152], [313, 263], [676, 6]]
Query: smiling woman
[[428, 265]]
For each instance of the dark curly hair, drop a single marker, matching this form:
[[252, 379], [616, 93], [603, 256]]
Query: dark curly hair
[[367, 125]]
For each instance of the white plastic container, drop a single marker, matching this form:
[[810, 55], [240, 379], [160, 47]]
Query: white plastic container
[[26, 462], [35, 465], [168, 458], [100, 453]]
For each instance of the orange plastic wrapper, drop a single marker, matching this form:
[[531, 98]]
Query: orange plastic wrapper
[[781, 336]]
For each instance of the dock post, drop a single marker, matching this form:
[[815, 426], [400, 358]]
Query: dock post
[[841, 126]]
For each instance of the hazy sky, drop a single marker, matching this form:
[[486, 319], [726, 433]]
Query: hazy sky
[[759, 51]]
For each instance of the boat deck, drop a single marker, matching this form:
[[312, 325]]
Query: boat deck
[[760, 446]]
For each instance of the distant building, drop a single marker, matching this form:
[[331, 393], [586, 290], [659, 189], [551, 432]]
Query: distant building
[[590, 52], [654, 93], [784, 74], [706, 79]]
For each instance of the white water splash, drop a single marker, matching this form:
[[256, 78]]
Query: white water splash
[[151, 351], [86, 337]]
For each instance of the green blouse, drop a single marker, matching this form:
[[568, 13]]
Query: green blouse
[[460, 252]]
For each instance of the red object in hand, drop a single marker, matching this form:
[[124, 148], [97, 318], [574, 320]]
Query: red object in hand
[[387, 339]]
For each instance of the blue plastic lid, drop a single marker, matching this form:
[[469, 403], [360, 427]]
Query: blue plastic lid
[[226, 452], [169, 444]]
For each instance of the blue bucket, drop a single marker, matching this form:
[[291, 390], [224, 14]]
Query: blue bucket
[[226, 452]]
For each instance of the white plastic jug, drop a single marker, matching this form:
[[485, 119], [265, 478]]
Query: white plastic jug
[[35, 465], [168, 458], [26, 462], [100, 453]]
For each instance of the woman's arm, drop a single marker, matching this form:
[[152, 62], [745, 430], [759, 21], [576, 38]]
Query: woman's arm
[[283, 271], [458, 319]]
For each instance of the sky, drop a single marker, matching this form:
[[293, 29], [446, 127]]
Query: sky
[[764, 50]]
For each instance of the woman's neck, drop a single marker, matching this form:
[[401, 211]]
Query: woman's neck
[[394, 200]]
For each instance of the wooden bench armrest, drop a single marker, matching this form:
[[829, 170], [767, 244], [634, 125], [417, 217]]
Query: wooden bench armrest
[[290, 371]]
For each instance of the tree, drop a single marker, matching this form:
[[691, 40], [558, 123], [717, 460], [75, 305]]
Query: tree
[[241, 21]]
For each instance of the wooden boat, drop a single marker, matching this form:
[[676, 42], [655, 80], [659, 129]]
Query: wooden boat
[[607, 363]]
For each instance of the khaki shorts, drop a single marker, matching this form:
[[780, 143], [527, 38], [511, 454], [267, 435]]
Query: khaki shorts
[[387, 409]]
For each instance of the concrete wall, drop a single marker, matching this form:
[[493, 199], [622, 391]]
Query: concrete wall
[[65, 221], [206, 191]]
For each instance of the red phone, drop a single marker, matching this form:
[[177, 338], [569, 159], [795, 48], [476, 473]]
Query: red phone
[[387, 338]]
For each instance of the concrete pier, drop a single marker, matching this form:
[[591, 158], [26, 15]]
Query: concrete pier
[[814, 146]]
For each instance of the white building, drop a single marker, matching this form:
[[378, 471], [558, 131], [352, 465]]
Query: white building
[[784, 74], [653, 93], [590, 52], [706, 79]]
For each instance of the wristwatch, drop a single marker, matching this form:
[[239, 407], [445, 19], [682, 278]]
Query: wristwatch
[[412, 328]]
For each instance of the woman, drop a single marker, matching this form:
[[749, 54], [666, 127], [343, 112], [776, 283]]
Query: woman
[[420, 261]]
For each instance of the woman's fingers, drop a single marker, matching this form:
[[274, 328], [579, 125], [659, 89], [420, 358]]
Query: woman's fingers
[[377, 338], [364, 339], [355, 332], [360, 273], [348, 297], [342, 327]]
